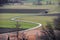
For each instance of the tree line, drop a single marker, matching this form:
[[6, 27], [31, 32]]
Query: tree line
[[3, 2]]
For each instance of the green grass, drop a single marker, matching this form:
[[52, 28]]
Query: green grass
[[12, 24], [28, 6], [40, 19], [5, 21]]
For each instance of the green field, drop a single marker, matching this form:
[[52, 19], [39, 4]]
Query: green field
[[27, 6], [39, 19], [5, 21]]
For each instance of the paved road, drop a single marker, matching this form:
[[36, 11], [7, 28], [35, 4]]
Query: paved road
[[30, 35], [7, 30], [57, 14], [22, 10]]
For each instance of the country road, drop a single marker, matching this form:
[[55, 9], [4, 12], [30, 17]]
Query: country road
[[7, 30], [22, 10]]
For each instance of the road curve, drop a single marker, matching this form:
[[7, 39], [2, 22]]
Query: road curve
[[39, 25], [8, 30]]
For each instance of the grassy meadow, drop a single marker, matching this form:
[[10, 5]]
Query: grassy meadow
[[5, 20]]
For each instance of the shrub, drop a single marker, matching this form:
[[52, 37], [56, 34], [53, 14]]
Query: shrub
[[57, 23], [50, 31]]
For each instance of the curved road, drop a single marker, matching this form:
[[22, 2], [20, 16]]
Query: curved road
[[7, 30]]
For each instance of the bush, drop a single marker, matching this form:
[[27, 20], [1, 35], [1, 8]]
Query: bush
[[50, 31], [2, 2], [57, 23]]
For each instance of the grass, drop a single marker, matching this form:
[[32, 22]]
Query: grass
[[27, 6], [40, 19], [5, 21], [12, 24]]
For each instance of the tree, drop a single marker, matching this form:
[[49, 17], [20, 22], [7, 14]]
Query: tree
[[58, 7], [2, 2], [50, 31], [39, 2], [57, 23]]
